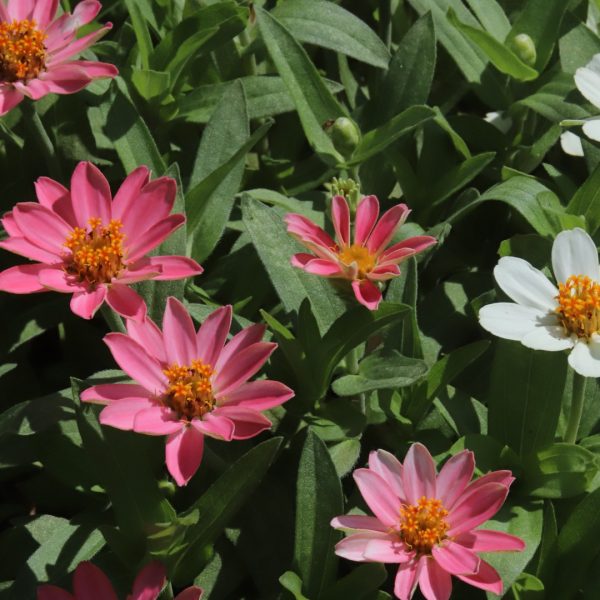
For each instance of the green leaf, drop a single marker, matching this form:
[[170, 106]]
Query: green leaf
[[292, 583], [150, 84], [491, 16], [275, 248], [586, 201], [576, 48], [314, 102], [140, 28], [528, 587], [505, 60], [330, 26], [524, 415], [344, 456], [318, 499], [217, 506], [360, 584]]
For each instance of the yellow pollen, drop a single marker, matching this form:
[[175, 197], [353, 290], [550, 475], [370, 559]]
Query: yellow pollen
[[22, 51], [579, 305], [365, 261], [96, 251], [423, 525], [190, 389]]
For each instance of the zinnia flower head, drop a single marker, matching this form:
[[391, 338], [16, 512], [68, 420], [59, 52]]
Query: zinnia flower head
[[39, 50], [363, 258], [189, 384], [426, 522], [90, 583], [544, 317], [90, 245]]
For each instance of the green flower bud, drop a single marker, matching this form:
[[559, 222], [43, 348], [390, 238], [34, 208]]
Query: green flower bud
[[524, 48], [348, 188], [345, 136]]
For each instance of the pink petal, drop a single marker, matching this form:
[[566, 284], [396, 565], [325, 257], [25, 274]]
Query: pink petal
[[389, 468], [10, 225], [41, 226], [340, 215], [179, 335], [258, 395], [476, 507], [106, 393], [367, 293], [155, 236], [454, 477], [90, 194], [246, 421], [149, 336], [299, 260], [241, 367], [191, 593], [354, 545], [90, 583], [141, 270], [149, 582], [407, 577], [384, 272], [215, 426], [367, 212], [22, 279], [22, 247], [54, 278], [58, 79], [157, 420], [503, 477], [85, 304], [175, 267], [56, 197], [379, 496], [310, 235], [418, 474], [412, 245], [456, 559], [487, 540], [359, 522], [63, 29], [19, 10], [9, 98], [434, 582], [136, 362], [395, 258], [94, 69], [322, 267], [487, 579], [384, 231], [183, 454], [241, 340], [73, 49], [129, 191], [121, 413], [126, 302], [44, 12], [51, 592], [212, 335], [391, 550]]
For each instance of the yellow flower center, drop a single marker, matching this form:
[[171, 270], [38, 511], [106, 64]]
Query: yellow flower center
[[579, 305], [96, 252], [22, 51], [190, 392], [423, 525], [365, 261]]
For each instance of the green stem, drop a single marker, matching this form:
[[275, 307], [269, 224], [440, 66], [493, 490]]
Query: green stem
[[385, 21], [577, 400], [42, 139], [352, 365], [113, 320]]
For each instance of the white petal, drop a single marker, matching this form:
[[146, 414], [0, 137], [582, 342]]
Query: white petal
[[587, 80], [591, 128], [551, 338], [585, 357], [571, 143], [574, 253], [525, 284], [513, 321]]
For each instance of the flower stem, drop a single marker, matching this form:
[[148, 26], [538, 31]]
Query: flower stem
[[113, 320], [352, 365], [577, 400]]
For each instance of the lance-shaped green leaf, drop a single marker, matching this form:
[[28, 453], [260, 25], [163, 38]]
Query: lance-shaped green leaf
[[318, 499], [360, 584], [586, 201], [314, 102]]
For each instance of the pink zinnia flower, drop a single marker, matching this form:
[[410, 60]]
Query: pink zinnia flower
[[427, 522], [38, 50], [90, 583], [92, 246], [365, 261], [190, 384]]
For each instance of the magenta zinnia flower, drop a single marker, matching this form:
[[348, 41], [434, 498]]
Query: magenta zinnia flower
[[190, 384], [92, 246], [90, 583], [38, 50], [364, 261], [427, 522]]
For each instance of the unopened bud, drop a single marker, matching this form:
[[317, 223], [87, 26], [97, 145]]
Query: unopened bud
[[345, 136], [524, 48], [348, 188]]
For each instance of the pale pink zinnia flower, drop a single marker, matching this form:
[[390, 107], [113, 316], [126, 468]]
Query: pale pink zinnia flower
[[190, 384], [365, 261], [38, 50], [92, 246], [90, 583], [426, 522]]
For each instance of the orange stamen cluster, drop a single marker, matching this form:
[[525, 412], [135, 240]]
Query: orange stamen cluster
[[365, 261], [96, 252], [423, 525], [22, 51], [190, 390], [579, 305]]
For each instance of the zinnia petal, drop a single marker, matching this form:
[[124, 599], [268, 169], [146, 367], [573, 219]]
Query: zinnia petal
[[514, 321], [486, 578], [149, 582], [454, 477], [389, 468], [407, 577], [574, 253], [418, 474], [585, 357], [340, 214], [434, 582], [85, 304], [179, 335], [367, 212], [90, 583], [378, 495], [212, 335], [183, 452], [476, 507]]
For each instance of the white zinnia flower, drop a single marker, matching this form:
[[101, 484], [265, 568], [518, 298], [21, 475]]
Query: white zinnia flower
[[546, 317]]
